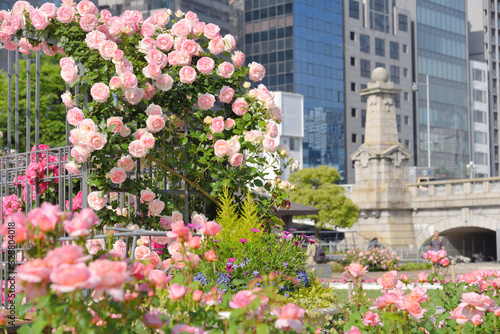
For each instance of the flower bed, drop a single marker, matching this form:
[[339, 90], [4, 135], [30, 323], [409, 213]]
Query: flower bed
[[377, 259]]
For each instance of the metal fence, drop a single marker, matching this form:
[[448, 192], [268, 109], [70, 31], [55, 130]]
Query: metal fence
[[18, 187]]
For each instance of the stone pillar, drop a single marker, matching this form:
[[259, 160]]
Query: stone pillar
[[381, 169]]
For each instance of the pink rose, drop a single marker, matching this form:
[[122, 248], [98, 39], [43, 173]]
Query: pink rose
[[353, 330], [238, 58], [107, 49], [129, 80], [127, 163], [164, 82], [100, 92], [115, 83], [75, 116], [165, 42], [81, 223], [70, 277], [98, 140], [68, 100], [388, 280], [216, 45], [226, 94], [116, 122], [105, 16], [192, 17], [89, 22], [154, 109], [155, 123], [134, 95], [179, 58], [96, 202], [49, 9], [205, 65], [139, 133], [240, 106], [72, 168], [356, 270], [80, 154], [161, 18], [221, 147], [211, 228], [289, 317], [137, 149], [217, 125], [123, 66], [199, 28], [149, 91], [47, 49], [152, 319], [86, 7], [69, 254], [117, 175], [230, 123], [10, 46], [148, 140], [276, 114], [234, 145], [38, 20], [236, 160], [269, 145], [147, 44], [229, 43], [257, 72], [182, 28], [156, 206], [187, 74], [272, 130], [111, 274], [211, 31], [154, 260], [148, 30], [206, 101], [157, 57], [147, 195], [65, 14], [191, 47], [69, 74], [118, 55]]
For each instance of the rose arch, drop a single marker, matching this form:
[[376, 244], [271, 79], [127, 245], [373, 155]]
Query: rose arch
[[172, 107]]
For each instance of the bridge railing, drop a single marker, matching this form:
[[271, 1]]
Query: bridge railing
[[455, 187]]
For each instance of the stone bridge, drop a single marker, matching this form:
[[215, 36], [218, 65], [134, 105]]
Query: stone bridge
[[397, 213]]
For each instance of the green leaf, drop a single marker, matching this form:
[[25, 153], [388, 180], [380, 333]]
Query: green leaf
[[262, 329]]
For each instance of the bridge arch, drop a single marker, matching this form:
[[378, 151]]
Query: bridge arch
[[465, 237]]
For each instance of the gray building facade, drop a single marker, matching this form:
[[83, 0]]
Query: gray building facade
[[376, 34]]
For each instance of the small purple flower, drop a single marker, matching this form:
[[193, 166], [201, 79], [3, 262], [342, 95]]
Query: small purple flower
[[255, 273], [285, 264], [231, 260], [277, 227], [254, 230], [297, 243], [216, 240], [243, 240], [229, 268], [286, 233], [191, 225], [293, 230]]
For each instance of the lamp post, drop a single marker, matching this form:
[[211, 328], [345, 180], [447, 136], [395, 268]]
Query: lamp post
[[471, 168], [414, 87]]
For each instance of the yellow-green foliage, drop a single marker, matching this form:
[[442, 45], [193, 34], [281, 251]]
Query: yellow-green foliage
[[237, 224]]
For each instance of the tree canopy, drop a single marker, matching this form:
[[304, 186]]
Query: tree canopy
[[316, 187], [52, 110]]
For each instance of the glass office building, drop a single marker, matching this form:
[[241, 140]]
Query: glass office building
[[300, 44], [441, 53]]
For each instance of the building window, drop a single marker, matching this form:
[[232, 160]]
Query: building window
[[353, 36], [479, 96], [379, 65], [481, 137], [354, 9], [363, 119], [405, 72], [353, 87], [395, 74], [354, 138], [364, 43], [480, 116], [407, 144], [481, 158], [398, 121], [379, 47], [353, 112], [365, 68], [403, 22], [353, 61], [478, 75], [394, 50], [407, 120], [405, 48], [397, 101], [363, 97], [406, 96]]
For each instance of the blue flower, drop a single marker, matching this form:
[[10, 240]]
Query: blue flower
[[255, 273], [285, 264]]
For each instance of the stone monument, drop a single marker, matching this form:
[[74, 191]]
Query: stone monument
[[381, 170]]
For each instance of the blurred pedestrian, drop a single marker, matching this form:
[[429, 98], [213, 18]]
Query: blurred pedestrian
[[436, 243]]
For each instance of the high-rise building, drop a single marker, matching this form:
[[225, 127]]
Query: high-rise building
[[484, 43], [300, 44], [376, 34], [440, 51]]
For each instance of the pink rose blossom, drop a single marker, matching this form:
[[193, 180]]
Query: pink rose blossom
[[221, 148], [49, 9], [182, 28], [148, 30], [72, 168], [156, 206], [356, 270], [229, 43], [70, 277], [75, 116], [155, 123], [147, 195], [100, 92], [236, 160], [205, 65], [226, 94], [80, 154], [129, 80], [154, 109], [161, 18], [257, 72], [96, 202], [216, 45], [217, 125], [98, 140], [112, 275], [107, 49], [38, 20], [65, 14], [142, 253], [234, 145], [148, 140], [230, 123], [34, 271], [115, 83], [164, 82], [388, 280], [192, 17], [69, 254], [117, 122], [199, 28], [269, 145], [238, 58], [137, 149], [117, 175], [272, 130], [211, 31], [289, 317], [127, 163], [240, 106], [157, 57], [134, 95], [206, 101], [187, 74], [105, 16], [353, 330], [176, 292], [68, 100], [69, 74], [165, 42], [86, 7], [81, 223], [152, 319], [89, 22], [149, 91], [159, 278], [118, 55], [371, 319], [210, 228]]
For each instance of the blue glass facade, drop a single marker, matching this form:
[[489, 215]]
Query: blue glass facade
[[442, 55], [301, 48]]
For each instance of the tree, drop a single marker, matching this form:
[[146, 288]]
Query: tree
[[316, 187], [52, 111]]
